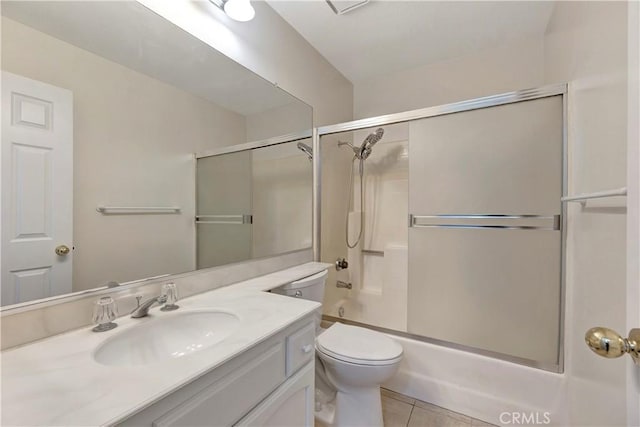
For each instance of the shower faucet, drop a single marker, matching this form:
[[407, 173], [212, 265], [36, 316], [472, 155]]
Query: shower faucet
[[345, 285]]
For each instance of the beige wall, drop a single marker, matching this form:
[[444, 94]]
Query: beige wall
[[277, 121], [633, 199], [516, 65], [586, 45], [270, 47], [134, 142]]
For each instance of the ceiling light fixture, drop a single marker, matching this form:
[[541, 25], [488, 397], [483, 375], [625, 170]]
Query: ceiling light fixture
[[238, 10]]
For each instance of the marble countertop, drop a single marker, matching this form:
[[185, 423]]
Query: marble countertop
[[56, 381]]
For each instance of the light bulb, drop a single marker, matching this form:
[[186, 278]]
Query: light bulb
[[239, 10]]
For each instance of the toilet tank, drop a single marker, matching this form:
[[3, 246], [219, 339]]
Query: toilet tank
[[311, 288]]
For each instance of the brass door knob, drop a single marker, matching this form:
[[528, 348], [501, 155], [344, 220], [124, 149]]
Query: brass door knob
[[608, 343], [62, 250]]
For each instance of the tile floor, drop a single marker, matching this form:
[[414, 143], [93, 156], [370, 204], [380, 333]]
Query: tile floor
[[399, 410]]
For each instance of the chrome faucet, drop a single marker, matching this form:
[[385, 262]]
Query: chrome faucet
[[142, 310], [345, 285]]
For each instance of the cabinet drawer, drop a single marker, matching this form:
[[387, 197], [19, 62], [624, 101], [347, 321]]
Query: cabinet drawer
[[228, 399], [300, 348]]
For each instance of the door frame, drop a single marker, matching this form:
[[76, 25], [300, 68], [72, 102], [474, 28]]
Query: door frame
[[633, 203]]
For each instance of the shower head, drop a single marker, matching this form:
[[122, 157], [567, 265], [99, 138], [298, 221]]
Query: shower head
[[369, 142], [374, 137], [306, 149]]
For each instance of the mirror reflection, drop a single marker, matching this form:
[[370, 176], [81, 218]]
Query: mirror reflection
[[253, 203], [98, 151]]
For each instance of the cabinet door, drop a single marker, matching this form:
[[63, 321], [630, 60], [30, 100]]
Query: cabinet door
[[291, 405], [226, 400]]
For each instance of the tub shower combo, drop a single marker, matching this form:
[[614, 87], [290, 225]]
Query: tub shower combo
[[454, 226]]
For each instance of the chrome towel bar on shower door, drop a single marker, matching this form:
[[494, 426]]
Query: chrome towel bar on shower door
[[224, 219], [507, 222]]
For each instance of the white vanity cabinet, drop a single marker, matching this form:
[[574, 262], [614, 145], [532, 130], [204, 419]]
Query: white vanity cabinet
[[270, 384]]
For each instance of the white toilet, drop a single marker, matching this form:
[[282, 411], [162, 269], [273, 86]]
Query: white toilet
[[352, 362]]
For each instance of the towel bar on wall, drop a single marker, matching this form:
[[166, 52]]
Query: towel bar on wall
[[137, 210], [582, 198]]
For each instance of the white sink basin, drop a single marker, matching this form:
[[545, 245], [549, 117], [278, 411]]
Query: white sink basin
[[175, 335]]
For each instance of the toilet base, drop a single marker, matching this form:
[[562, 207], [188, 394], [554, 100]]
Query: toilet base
[[359, 407]]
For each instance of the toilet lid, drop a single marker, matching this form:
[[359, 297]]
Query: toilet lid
[[358, 345]]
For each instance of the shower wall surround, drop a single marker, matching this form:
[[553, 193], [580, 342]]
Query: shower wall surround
[[378, 265]]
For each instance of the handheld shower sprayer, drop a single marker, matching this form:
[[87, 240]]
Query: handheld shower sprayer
[[306, 150], [361, 153], [369, 142], [364, 150]]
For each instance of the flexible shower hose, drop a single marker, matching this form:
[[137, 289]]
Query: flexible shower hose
[[361, 173]]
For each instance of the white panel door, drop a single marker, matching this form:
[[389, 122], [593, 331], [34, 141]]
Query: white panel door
[[37, 189]]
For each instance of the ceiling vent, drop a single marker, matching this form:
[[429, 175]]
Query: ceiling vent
[[340, 7]]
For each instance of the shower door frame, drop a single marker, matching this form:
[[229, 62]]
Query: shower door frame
[[440, 110]]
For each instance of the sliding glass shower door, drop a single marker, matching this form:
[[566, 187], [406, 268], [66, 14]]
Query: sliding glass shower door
[[485, 241], [224, 208]]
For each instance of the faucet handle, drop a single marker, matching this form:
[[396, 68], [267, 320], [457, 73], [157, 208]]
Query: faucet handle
[[104, 313], [170, 291]]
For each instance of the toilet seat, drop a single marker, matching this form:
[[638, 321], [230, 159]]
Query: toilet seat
[[358, 346], [353, 362]]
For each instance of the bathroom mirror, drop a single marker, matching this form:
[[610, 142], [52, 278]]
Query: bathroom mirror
[[110, 103]]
